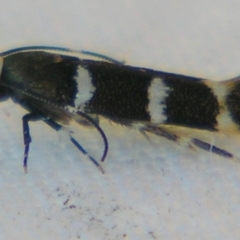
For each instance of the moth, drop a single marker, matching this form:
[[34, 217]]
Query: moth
[[56, 85]]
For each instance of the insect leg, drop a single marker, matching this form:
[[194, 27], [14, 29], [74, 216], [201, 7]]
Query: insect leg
[[211, 148], [101, 132], [74, 141], [57, 127], [170, 134], [26, 135], [160, 131], [94, 123]]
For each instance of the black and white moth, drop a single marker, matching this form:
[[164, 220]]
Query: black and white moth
[[56, 85]]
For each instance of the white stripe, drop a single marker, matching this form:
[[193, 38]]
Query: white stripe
[[85, 88], [157, 92]]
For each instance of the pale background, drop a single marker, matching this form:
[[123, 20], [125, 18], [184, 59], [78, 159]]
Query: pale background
[[150, 190]]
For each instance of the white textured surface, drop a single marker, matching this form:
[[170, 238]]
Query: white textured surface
[[149, 191]]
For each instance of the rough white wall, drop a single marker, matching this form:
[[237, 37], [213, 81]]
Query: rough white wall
[[150, 190]]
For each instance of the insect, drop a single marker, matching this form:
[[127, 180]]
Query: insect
[[56, 85]]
